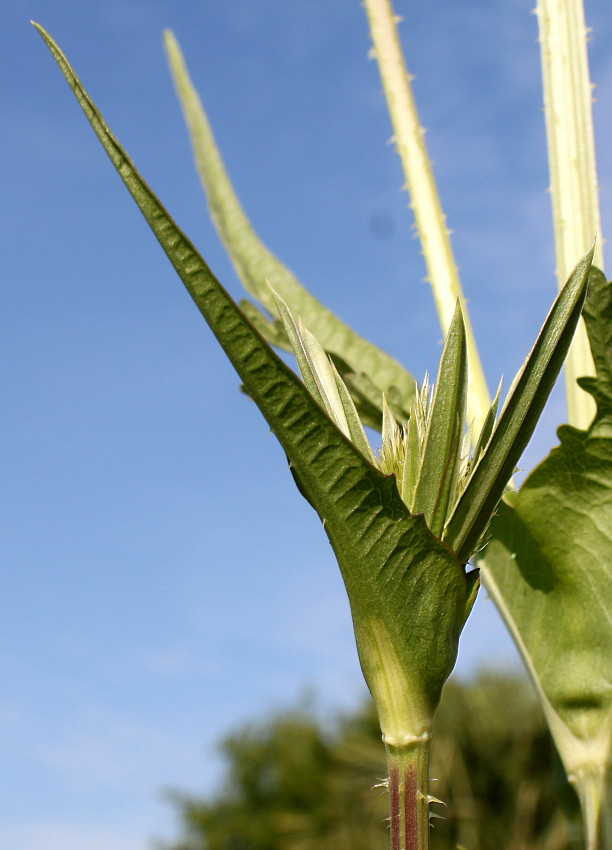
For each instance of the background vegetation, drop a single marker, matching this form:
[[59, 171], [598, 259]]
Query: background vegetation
[[296, 782]]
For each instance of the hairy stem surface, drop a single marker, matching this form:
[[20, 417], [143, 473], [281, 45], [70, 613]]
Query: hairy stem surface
[[429, 217], [408, 793], [573, 175]]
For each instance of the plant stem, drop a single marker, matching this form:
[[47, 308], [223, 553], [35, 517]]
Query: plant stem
[[429, 217], [573, 175], [594, 789], [408, 793]]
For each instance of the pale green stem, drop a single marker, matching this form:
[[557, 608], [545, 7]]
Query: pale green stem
[[594, 787], [429, 218], [573, 176], [408, 795], [606, 813]]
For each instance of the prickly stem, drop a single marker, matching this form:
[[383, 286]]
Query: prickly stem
[[408, 790], [411, 802]]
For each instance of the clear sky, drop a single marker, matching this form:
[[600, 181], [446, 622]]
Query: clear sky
[[162, 580]]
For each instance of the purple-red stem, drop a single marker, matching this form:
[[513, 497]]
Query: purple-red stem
[[394, 794], [408, 791], [411, 805]]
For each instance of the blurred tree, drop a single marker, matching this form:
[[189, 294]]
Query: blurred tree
[[296, 783]]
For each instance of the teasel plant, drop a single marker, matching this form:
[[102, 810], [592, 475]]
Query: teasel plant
[[415, 523]]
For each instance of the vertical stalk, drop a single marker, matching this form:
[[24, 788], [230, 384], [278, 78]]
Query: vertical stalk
[[606, 812], [429, 217], [594, 788], [573, 175], [408, 793]]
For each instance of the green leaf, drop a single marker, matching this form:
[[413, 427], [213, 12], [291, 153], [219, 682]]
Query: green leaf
[[407, 592], [549, 568], [322, 380], [257, 266], [441, 452], [367, 396], [487, 427], [520, 414], [412, 460], [473, 582], [356, 434], [272, 330], [598, 317]]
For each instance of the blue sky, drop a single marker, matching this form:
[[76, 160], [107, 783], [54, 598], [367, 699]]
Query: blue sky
[[162, 579]]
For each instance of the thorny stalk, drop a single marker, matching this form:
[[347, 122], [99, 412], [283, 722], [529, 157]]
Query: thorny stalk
[[429, 217]]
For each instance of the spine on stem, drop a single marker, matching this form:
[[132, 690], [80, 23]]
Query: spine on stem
[[409, 794], [429, 217]]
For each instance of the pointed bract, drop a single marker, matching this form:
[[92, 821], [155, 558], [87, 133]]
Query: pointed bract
[[519, 417], [439, 466]]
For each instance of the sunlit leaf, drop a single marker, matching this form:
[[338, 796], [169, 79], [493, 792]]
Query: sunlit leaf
[[549, 568]]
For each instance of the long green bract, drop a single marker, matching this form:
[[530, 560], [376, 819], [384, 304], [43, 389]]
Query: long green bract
[[407, 591], [257, 266], [517, 421], [441, 452]]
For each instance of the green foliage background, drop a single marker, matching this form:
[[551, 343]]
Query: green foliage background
[[294, 782]]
